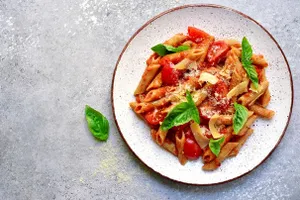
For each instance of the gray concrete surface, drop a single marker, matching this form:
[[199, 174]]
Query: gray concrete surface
[[58, 55]]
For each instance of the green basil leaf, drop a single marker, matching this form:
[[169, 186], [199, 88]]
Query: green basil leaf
[[247, 63], [163, 49], [97, 123], [160, 49], [195, 112], [176, 49], [215, 145], [240, 117], [181, 114], [253, 76]]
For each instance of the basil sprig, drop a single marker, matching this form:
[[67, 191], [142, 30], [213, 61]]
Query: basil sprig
[[239, 118], [247, 62], [97, 123], [181, 114], [163, 49], [215, 145]]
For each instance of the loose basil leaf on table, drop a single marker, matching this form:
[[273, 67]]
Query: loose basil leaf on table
[[97, 123], [181, 114], [215, 145], [239, 118], [163, 49], [247, 62]]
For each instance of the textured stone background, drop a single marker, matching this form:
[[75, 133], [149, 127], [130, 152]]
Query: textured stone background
[[58, 55]]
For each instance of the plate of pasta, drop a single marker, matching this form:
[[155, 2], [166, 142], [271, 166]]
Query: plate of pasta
[[202, 94]]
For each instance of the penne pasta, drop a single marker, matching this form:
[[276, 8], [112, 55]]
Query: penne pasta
[[176, 40], [149, 74], [143, 107], [265, 98], [241, 140], [182, 65], [157, 93], [161, 136], [153, 59], [230, 61], [170, 147], [233, 43], [250, 97], [180, 140], [238, 72], [175, 57], [224, 119], [262, 112], [259, 60], [189, 43], [225, 151], [247, 125], [199, 53], [208, 154], [155, 83]]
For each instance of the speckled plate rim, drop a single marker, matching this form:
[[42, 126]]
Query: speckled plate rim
[[211, 6]]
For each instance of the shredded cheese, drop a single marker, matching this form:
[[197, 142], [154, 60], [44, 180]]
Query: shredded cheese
[[204, 76], [256, 90], [199, 136], [239, 89], [212, 126]]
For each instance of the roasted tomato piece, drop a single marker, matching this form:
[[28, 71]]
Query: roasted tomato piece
[[220, 89], [154, 117], [197, 35], [206, 112], [170, 75], [191, 149], [220, 92], [217, 52]]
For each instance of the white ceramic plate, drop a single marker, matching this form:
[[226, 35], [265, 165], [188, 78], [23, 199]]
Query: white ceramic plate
[[222, 23]]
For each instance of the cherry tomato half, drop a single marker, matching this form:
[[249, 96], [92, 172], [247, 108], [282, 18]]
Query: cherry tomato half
[[197, 35], [191, 149], [154, 117], [217, 51], [169, 75]]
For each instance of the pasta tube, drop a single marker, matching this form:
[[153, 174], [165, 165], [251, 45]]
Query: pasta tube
[[262, 112], [149, 74]]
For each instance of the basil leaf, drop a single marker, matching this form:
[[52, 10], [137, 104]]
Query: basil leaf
[[247, 63], [195, 112], [178, 49], [181, 114], [97, 123], [239, 118], [163, 49], [215, 145], [160, 49]]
